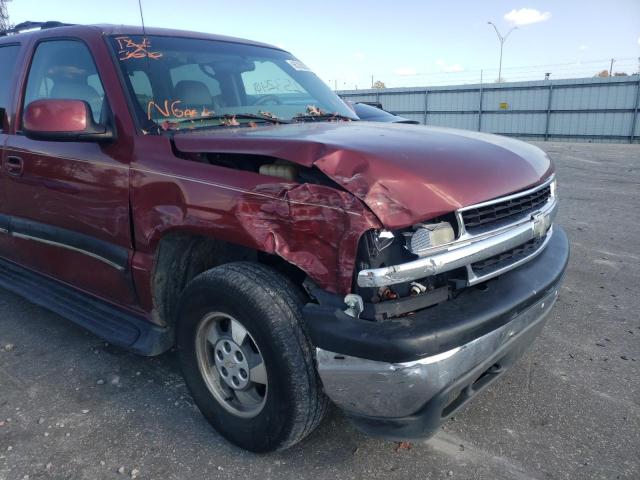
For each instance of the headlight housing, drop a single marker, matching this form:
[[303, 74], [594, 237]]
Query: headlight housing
[[427, 236], [382, 239]]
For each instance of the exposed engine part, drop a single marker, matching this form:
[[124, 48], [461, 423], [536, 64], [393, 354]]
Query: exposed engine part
[[265, 165], [417, 288], [286, 171], [355, 304], [429, 235], [387, 294]]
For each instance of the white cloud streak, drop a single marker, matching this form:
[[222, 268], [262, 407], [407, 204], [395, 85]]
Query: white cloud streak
[[445, 67], [526, 16]]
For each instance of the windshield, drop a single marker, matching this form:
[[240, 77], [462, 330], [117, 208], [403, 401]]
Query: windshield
[[183, 83]]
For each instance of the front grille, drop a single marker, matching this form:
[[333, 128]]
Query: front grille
[[501, 211], [504, 259]]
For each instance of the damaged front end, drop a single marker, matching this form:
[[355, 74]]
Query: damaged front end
[[422, 291], [439, 310], [402, 376]]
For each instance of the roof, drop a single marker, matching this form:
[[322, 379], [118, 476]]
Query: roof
[[107, 29]]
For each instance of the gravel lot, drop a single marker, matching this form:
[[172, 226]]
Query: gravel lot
[[72, 407]]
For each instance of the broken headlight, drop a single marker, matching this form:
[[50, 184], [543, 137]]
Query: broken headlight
[[382, 239], [426, 236]]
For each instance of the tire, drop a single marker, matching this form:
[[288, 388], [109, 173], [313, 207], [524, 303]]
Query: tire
[[256, 417]]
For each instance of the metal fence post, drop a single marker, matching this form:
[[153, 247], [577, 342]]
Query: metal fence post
[[426, 109], [480, 110], [634, 120], [546, 128]]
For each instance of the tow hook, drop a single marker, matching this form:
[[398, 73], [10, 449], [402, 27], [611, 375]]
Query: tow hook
[[355, 304]]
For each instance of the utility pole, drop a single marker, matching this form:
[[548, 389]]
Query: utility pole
[[371, 81], [502, 40], [611, 66]]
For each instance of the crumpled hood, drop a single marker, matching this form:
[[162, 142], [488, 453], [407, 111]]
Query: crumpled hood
[[404, 173]]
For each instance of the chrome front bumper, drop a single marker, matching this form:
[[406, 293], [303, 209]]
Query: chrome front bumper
[[471, 248], [373, 389]]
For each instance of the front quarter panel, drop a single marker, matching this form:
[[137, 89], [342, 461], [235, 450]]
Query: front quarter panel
[[313, 227]]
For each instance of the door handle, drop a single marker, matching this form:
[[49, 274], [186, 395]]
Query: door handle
[[14, 166]]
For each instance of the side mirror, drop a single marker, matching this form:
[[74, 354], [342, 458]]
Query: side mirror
[[63, 121]]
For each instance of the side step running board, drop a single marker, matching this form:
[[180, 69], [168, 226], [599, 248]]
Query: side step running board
[[115, 325]]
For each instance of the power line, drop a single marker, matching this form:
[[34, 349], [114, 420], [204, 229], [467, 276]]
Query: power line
[[579, 69]]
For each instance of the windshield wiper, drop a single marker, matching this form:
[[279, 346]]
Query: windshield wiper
[[230, 118], [321, 117]]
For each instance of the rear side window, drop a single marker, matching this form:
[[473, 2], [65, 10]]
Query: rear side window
[[193, 72], [141, 86], [8, 57], [268, 78], [64, 69]]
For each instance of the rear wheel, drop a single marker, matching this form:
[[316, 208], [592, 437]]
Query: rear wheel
[[246, 359]]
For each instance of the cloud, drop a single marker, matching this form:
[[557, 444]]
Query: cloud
[[445, 67], [456, 67], [526, 16], [359, 56], [638, 40], [405, 71], [583, 47]]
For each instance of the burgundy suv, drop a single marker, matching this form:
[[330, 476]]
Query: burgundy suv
[[165, 188]]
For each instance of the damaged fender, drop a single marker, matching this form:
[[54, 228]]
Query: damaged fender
[[314, 227]]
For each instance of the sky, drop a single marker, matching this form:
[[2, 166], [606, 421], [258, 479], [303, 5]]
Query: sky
[[401, 43]]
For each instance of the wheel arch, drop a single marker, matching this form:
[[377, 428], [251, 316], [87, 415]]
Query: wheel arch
[[181, 256]]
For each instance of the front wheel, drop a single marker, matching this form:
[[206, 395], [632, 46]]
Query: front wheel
[[246, 359]]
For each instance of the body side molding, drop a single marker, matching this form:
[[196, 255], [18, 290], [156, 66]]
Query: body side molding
[[113, 255]]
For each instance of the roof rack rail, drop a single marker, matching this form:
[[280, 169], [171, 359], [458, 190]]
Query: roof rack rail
[[24, 26]]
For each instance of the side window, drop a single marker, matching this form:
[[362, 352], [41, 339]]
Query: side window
[[8, 57], [193, 72], [141, 87], [269, 79], [64, 69]]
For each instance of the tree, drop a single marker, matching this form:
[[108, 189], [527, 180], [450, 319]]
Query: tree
[[379, 84], [605, 74], [4, 16]]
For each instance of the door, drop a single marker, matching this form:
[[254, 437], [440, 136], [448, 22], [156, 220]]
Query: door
[[8, 57], [69, 201]]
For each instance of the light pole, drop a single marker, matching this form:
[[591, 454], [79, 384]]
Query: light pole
[[502, 40]]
